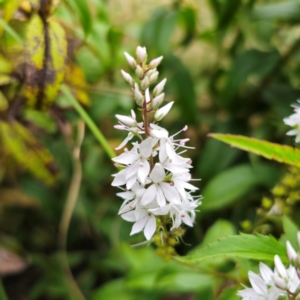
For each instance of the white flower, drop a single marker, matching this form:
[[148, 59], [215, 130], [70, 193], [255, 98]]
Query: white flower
[[274, 285], [294, 121], [137, 164], [260, 290], [160, 191], [180, 181], [131, 198], [179, 212]]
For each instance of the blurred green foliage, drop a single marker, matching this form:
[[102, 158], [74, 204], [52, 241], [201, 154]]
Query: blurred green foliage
[[232, 66]]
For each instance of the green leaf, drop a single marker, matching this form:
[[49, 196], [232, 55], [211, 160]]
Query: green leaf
[[280, 153], [229, 185], [83, 12], [290, 231], [257, 247]]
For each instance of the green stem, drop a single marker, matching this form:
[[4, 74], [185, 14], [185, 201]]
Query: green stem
[[3, 295], [89, 122], [11, 31]]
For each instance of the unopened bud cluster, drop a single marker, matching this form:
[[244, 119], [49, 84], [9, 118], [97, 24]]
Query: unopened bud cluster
[[154, 177], [283, 283]]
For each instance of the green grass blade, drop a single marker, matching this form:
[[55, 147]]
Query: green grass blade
[[11, 32], [89, 122]]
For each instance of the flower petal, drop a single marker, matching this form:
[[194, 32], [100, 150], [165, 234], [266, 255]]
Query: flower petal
[[150, 227], [158, 173], [160, 198], [143, 171], [139, 226], [149, 195], [146, 147]]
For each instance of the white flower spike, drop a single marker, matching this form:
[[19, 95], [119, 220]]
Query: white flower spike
[[154, 177]]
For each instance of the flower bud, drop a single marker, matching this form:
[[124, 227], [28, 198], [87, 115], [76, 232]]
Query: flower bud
[[162, 112], [139, 71], [280, 268], [298, 238], [155, 62], [279, 282], [153, 77], [141, 54], [127, 77], [157, 101], [291, 253], [145, 83], [131, 61], [133, 115], [126, 120], [159, 88], [147, 96], [138, 96]]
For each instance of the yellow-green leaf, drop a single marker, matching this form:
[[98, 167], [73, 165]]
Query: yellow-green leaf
[[280, 153], [22, 145], [46, 51], [56, 60]]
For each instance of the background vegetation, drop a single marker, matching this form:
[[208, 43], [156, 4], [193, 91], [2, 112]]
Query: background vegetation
[[232, 66]]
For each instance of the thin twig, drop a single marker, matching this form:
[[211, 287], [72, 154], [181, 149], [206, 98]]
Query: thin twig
[[69, 209]]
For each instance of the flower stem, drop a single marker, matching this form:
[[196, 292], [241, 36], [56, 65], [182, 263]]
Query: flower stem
[[146, 126], [89, 122]]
